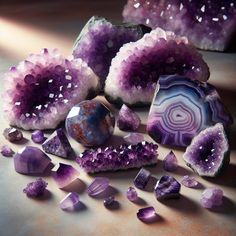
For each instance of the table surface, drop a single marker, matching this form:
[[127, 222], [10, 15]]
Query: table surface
[[27, 28]]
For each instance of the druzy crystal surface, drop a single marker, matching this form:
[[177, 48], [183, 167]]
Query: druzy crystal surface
[[134, 138], [127, 119], [35, 188], [146, 214], [70, 202], [12, 134], [208, 152], [167, 187], [211, 197], [137, 66], [41, 90], [31, 160], [170, 162], [207, 24], [58, 144], [100, 40], [38, 136], [120, 158], [6, 151], [142, 178], [132, 194], [181, 108], [189, 181], [98, 185]]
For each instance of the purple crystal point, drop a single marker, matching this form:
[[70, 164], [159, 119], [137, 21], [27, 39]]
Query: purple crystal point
[[31, 160], [99, 41], [181, 108], [69, 202], [127, 119], [211, 197], [12, 134], [99, 185], [42, 89], [142, 178], [189, 182], [134, 138], [146, 214], [135, 70], [120, 158], [170, 162], [38, 136], [58, 144], [167, 187], [36, 188], [207, 24], [109, 201], [65, 175], [6, 151], [132, 194]]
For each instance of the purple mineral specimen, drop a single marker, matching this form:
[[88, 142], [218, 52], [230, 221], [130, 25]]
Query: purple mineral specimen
[[134, 138], [132, 194], [12, 134], [6, 151], [189, 181], [109, 201], [170, 162], [38, 136], [142, 178], [70, 202], [211, 197], [146, 214], [36, 188], [99, 185]]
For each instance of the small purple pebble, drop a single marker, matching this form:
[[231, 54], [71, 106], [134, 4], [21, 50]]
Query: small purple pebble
[[146, 214], [211, 197], [189, 181], [142, 178], [69, 202], [35, 188], [99, 185], [170, 162], [109, 201], [132, 194], [38, 136], [12, 134], [6, 151]]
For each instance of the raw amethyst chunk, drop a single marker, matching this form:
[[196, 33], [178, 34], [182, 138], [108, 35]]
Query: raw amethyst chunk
[[132, 194], [100, 40], [42, 89], [36, 188], [136, 68], [134, 138], [120, 158], [189, 181], [6, 151], [70, 202], [128, 119], [181, 108], [109, 201], [208, 152], [207, 24], [211, 197], [142, 178], [38, 136], [99, 185], [58, 144], [170, 162], [146, 214], [12, 134], [167, 187], [31, 160]]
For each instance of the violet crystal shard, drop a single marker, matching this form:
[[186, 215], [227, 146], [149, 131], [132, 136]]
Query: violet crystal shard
[[208, 152], [134, 138], [100, 40], [142, 178], [120, 158], [6, 151], [211, 197], [35, 188], [41, 90], [99, 185], [170, 162], [207, 24], [58, 144], [137, 66], [132, 194], [70, 202], [181, 108], [13, 134]]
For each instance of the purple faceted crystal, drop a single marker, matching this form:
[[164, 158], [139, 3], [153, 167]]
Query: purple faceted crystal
[[38, 136], [99, 185], [120, 158], [132, 194], [58, 144], [170, 162], [134, 138], [12, 134], [31, 160], [167, 187], [207, 24], [6, 151], [146, 214], [128, 119], [70, 202], [189, 181], [42, 89], [211, 197], [109, 201], [142, 178], [36, 188], [181, 108]]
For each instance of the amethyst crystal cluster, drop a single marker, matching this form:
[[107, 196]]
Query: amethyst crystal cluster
[[35, 188], [207, 24]]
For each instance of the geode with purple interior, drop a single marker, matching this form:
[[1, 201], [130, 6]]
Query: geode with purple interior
[[136, 68], [40, 91], [100, 40], [181, 108], [207, 24]]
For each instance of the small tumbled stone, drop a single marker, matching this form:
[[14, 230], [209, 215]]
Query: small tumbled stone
[[170, 162], [189, 181], [146, 214], [142, 178], [38, 136], [35, 188], [6, 151], [12, 134], [134, 138], [132, 194], [99, 185], [69, 202], [211, 197], [109, 201]]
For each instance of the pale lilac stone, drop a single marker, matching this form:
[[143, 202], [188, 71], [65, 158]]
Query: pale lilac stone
[[99, 185], [189, 181], [170, 162], [211, 197], [6, 151], [12, 134], [38, 136], [134, 138], [142, 178], [109, 201], [70, 202], [132, 194], [146, 214]]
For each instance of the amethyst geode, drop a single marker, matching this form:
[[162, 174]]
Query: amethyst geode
[[100, 40], [207, 24], [136, 68], [181, 108], [41, 90]]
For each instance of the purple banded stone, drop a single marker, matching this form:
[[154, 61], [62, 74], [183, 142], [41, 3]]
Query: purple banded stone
[[146, 214], [36, 188], [38, 136], [12, 134], [132, 194], [211, 197], [134, 138], [170, 162], [181, 108], [98, 185], [70, 202], [142, 178], [6, 151]]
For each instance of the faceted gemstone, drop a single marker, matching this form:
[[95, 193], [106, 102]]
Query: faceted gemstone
[[70, 202], [127, 119], [38, 136], [90, 123], [211, 197], [189, 181], [120, 158], [146, 214], [170, 162], [135, 70], [142, 178], [35, 188], [99, 185], [12, 134], [109, 201], [134, 138], [132, 194], [31, 160], [207, 24], [100, 40], [65, 175], [58, 144], [181, 108], [167, 187], [41, 90], [6, 151]]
